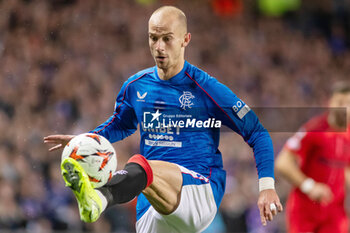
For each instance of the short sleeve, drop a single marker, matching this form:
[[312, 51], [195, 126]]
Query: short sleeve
[[300, 143]]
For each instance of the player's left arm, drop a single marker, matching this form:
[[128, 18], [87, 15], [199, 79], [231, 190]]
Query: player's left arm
[[235, 114]]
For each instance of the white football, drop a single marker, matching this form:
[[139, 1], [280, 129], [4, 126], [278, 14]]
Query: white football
[[95, 154]]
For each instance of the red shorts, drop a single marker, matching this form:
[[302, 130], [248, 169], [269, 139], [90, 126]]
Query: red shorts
[[304, 215]]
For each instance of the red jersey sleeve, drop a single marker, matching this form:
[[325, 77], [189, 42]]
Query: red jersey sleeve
[[300, 143]]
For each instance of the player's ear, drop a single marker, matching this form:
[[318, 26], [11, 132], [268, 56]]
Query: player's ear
[[187, 39]]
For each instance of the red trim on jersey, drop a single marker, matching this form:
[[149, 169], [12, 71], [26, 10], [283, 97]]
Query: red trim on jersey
[[142, 161], [214, 102], [115, 114], [210, 97], [209, 174], [205, 179]]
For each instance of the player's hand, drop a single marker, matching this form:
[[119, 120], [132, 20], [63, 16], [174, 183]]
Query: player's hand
[[269, 204], [321, 193], [59, 141]]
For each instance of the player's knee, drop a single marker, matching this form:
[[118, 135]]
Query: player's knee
[[173, 202], [165, 201], [169, 210], [164, 193], [167, 207]]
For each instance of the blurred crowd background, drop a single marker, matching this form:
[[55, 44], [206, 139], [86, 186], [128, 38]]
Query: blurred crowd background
[[62, 63]]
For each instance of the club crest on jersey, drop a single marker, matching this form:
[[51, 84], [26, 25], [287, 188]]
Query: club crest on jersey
[[141, 97], [185, 100]]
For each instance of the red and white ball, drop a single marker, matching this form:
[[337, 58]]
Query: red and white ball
[[95, 154]]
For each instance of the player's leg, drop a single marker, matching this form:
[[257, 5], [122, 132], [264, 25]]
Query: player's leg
[[159, 181], [163, 192], [90, 204], [195, 209], [182, 200], [337, 220], [301, 216], [123, 187]]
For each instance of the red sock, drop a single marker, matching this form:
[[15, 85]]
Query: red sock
[[142, 161]]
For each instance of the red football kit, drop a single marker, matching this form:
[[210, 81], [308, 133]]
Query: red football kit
[[323, 154]]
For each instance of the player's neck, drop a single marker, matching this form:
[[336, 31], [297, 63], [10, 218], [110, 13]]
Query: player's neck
[[166, 74]]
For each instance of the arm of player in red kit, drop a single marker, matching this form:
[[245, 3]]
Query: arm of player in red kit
[[286, 165]]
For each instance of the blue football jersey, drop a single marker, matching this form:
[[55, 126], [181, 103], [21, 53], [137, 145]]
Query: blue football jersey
[[180, 121]]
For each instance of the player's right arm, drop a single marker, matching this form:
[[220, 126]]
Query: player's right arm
[[123, 122], [58, 140], [287, 165]]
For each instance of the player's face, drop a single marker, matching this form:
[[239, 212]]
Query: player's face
[[167, 41], [341, 100]]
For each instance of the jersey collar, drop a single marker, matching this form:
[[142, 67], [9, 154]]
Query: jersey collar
[[177, 79]]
